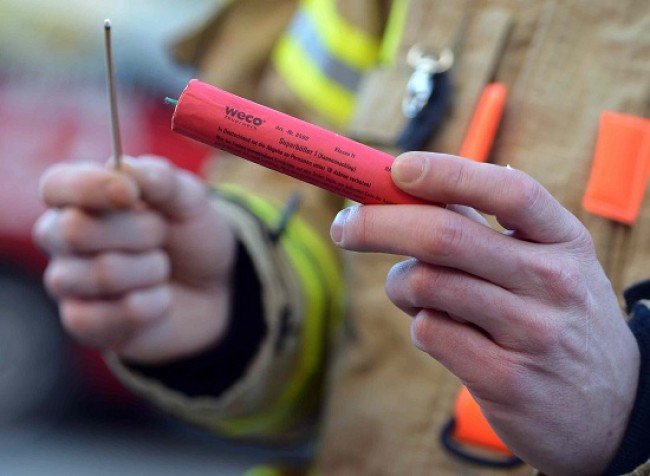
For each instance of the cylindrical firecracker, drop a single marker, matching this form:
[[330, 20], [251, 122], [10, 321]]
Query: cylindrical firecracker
[[288, 145]]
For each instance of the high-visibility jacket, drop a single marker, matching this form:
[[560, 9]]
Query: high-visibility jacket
[[382, 402]]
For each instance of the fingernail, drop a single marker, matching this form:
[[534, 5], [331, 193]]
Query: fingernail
[[407, 168], [336, 230]]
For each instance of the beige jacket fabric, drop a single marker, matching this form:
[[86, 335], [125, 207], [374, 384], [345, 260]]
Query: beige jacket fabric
[[564, 63]]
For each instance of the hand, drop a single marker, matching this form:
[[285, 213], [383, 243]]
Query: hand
[[526, 318], [140, 260]]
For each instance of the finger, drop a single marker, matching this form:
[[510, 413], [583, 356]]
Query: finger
[[413, 285], [89, 186], [170, 190], [105, 275], [74, 230], [110, 324], [434, 235], [464, 350], [514, 198]]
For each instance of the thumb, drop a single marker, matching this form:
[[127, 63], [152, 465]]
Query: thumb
[[163, 186]]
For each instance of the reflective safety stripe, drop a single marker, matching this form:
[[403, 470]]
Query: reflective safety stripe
[[394, 32], [344, 40], [323, 57], [303, 31], [325, 96], [321, 284]]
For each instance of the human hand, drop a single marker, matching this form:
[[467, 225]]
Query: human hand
[[139, 260], [525, 318]]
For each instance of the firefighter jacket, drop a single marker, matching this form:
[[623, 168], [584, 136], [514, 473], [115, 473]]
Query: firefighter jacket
[[334, 341]]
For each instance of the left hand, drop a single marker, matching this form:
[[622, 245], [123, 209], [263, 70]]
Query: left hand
[[526, 318], [140, 261]]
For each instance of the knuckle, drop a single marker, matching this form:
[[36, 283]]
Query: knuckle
[[158, 264], [165, 264], [544, 335], [156, 176], [143, 306], [73, 225], [445, 239], [562, 281], [584, 243], [154, 226], [523, 191], [105, 273], [424, 280], [458, 177], [511, 376]]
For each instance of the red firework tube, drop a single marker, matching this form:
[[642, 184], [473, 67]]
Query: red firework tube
[[286, 144]]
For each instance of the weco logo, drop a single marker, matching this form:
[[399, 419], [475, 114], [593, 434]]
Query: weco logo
[[243, 118]]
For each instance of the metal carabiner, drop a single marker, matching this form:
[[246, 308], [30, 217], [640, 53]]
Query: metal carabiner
[[419, 87]]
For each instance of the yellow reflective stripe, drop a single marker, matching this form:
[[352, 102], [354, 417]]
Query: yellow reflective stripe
[[327, 97], [322, 58], [285, 409], [394, 32], [329, 269], [270, 214], [320, 258], [275, 419], [315, 257], [347, 42], [307, 252], [317, 246], [304, 32]]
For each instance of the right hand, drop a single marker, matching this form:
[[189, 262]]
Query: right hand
[[526, 318], [140, 262]]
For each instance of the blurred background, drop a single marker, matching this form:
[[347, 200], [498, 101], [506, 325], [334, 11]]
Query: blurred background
[[61, 412]]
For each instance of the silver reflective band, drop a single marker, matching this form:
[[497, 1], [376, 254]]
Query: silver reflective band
[[304, 32]]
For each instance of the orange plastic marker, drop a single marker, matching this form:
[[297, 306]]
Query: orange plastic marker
[[286, 144], [472, 427], [470, 437], [620, 168], [485, 122]]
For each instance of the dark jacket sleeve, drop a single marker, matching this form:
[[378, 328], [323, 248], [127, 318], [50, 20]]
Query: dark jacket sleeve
[[635, 448], [264, 380]]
